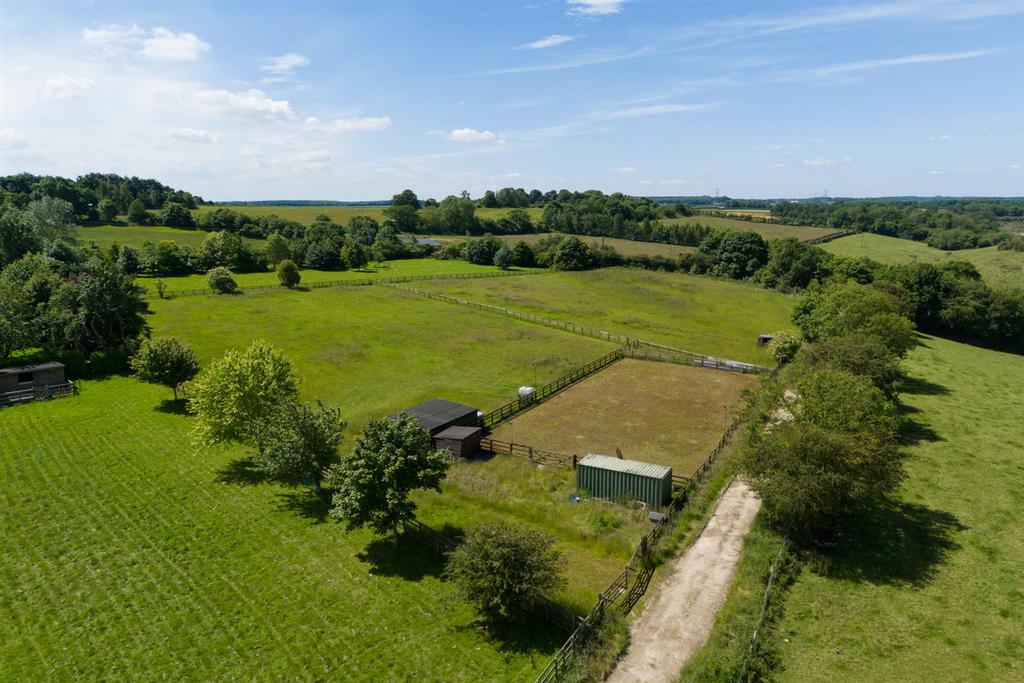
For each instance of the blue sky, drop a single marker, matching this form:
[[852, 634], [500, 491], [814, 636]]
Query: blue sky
[[337, 100]]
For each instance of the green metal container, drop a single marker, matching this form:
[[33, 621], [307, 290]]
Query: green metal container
[[627, 480]]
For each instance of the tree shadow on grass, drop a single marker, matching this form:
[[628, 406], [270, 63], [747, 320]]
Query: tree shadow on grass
[[307, 503], [913, 431], [410, 559], [242, 472], [532, 636], [892, 543], [173, 406], [921, 386]]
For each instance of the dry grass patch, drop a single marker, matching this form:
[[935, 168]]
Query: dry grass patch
[[655, 412]]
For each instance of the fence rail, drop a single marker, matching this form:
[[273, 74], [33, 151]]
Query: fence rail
[[40, 392], [517, 406], [346, 282], [626, 590], [534, 455]]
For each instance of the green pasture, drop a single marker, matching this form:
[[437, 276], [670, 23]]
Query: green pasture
[[713, 317], [624, 247], [402, 268], [768, 231], [124, 549], [998, 268], [928, 587], [339, 214], [137, 235]]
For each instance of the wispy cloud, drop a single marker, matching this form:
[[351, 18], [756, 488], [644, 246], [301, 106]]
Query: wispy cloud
[[470, 135], [11, 139], [548, 41], [350, 124], [653, 110], [624, 169], [575, 63], [162, 44], [595, 7], [283, 68], [248, 104], [942, 137], [819, 161], [834, 70], [64, 87], [193, 135]]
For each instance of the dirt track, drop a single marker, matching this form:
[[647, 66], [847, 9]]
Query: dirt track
[[677, 620]]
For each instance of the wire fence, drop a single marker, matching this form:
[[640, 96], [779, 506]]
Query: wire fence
[[344, 282], [773, 572]]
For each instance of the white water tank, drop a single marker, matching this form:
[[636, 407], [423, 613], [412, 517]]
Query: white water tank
[[526, 391]]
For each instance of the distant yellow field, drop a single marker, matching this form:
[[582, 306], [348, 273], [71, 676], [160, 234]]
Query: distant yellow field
[[338, 214]]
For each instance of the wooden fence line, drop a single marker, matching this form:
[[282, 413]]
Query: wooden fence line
[[626, 590], [545, 392], [674, 355], [43, 392], [347, 282], [773, 570]]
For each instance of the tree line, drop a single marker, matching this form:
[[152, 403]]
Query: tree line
[[95, 196]]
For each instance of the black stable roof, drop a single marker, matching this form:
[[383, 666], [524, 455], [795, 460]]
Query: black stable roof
[[438, 411], [31, 368]]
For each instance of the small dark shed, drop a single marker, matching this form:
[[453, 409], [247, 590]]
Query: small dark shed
[[763, 339], [615, 478], [29, 376], [438, 414], [461, 441]]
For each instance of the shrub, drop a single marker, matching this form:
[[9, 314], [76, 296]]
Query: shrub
[[221, 280], [784, 346], [166, 361], [503, 570], [288, 273], [503, 257]]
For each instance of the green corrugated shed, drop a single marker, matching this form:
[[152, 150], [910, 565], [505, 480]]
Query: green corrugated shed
[[614, 478]]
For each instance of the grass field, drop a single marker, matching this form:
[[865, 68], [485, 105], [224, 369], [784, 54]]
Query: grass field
[[137, 235], [122, 549], [341, 214], [714, 317], [930, 586], [667, 414], [998, 268], [766, 230], [624, 247], [407, 267]]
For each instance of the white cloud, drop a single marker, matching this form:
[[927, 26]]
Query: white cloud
[[312, 160], [162, 43], [779, 165], [471, 135], [286, 63], [672, 181], [872, 64], [548, 41], [352, 123], [165, 44], [113, 38], [248, 104], [193, 135], [943, 137], [624, 169], [653, 110], [11, 139], [64, 87], [819, 161], [595, 7]]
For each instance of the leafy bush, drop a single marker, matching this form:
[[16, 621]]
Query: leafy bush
[[784, 346], [503, 570], [166, 361], [221, 280], [288, 273]]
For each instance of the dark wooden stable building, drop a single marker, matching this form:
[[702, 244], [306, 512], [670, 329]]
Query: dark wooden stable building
[[453, 426]]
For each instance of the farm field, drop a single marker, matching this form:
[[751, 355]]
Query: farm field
[[624, 247], [930, 586], [137, 235], [998, 268], [401, 268], [714, 317], [159, 559], [338, 214], [768, 231], [666, 414]]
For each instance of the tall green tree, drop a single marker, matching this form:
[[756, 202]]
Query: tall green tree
[[406, 198], [52, 219], [107, 209], [277, 248], [237, 394], [392, 458], [137, 212], [165, 360], [301, 442], [851, 308]]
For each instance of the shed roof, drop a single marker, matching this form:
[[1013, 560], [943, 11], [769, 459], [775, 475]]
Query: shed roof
[[35, 367], [607, 462], [458, 433], [439, 411]]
